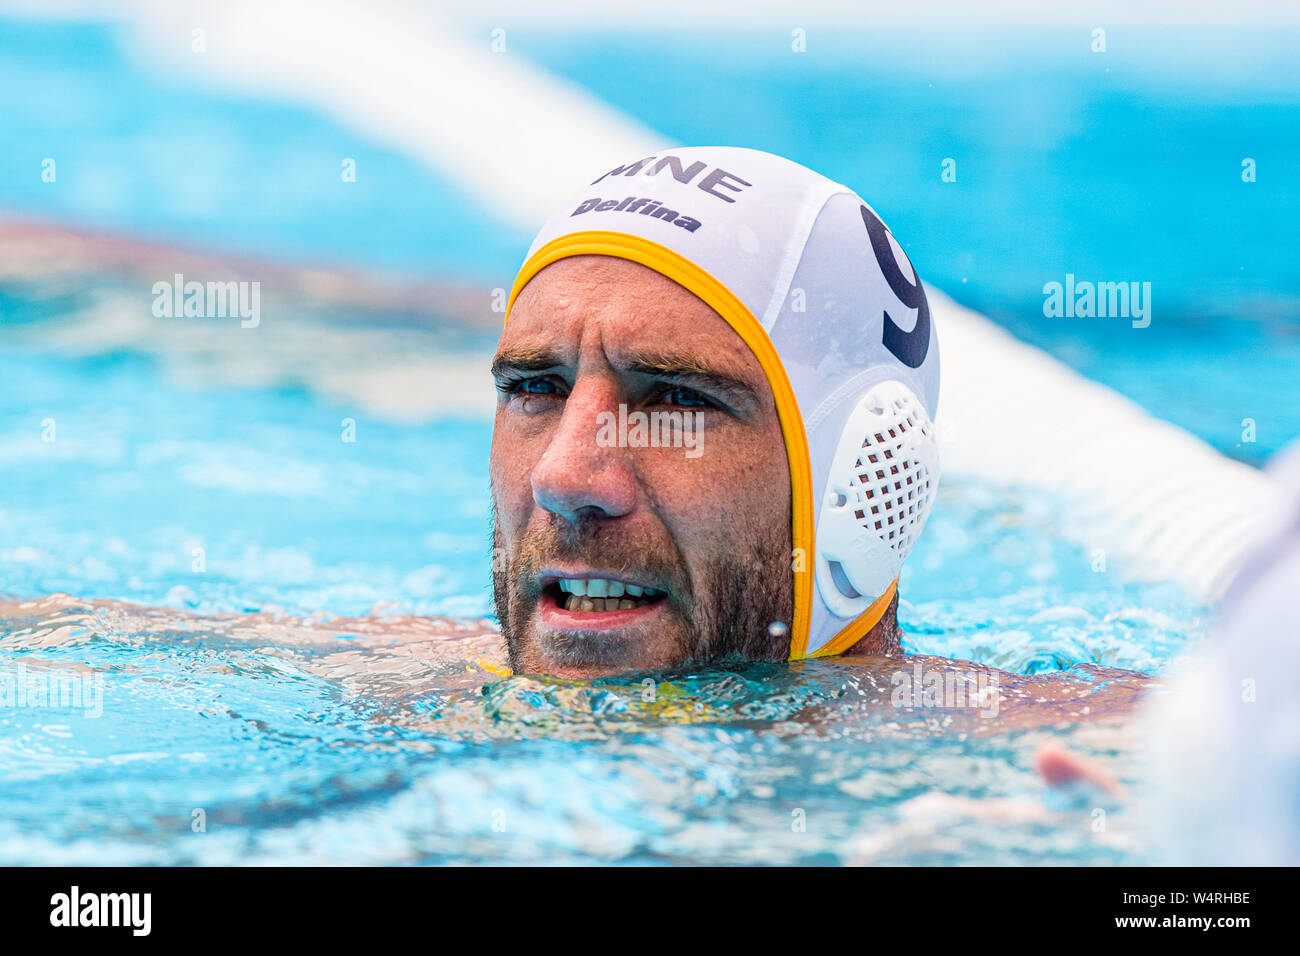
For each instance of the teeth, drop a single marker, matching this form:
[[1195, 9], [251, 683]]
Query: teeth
[[601, 594], [604, 588]]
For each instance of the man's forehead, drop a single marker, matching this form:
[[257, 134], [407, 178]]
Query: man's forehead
[[629, 311], [590, 282]]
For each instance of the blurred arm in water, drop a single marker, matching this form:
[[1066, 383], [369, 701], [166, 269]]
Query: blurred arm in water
[[396, 658]]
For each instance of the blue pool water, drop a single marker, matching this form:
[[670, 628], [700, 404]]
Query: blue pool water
[[294, 756], [1122, 166], [165, 447], [169, 161]]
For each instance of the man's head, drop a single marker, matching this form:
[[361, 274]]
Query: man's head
[[711, 439], [593, 339]]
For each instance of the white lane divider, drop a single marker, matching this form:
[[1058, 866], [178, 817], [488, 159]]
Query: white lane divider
[[1012, 414], [507, 132]]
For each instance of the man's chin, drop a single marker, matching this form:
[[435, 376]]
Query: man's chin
[[581, 644], [583, 654]]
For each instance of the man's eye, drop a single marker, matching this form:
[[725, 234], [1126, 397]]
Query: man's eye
[[529, 386], [685, 398]]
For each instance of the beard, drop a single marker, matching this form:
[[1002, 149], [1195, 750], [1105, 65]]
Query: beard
[[725, 612]]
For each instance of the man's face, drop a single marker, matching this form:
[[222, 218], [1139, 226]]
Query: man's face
[[700, 530]]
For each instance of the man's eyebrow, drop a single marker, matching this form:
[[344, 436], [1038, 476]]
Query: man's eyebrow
[[686, 367], [679, 366], [525, 358]]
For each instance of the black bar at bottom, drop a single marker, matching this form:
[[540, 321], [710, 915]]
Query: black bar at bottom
[[300, 905]]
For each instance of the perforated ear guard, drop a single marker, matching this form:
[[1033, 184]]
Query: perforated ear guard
[[882, 482]]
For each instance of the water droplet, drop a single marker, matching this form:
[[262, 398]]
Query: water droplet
[[778, 629]]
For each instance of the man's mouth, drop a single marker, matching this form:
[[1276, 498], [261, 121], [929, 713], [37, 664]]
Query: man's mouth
[[600, 595], [589, 601]]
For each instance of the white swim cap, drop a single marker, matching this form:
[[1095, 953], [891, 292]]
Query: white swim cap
[[818, 288]]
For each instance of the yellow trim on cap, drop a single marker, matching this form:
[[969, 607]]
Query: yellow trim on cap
[[722, 300], [858, 629]]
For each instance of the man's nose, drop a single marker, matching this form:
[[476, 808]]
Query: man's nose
[[579, 476]]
